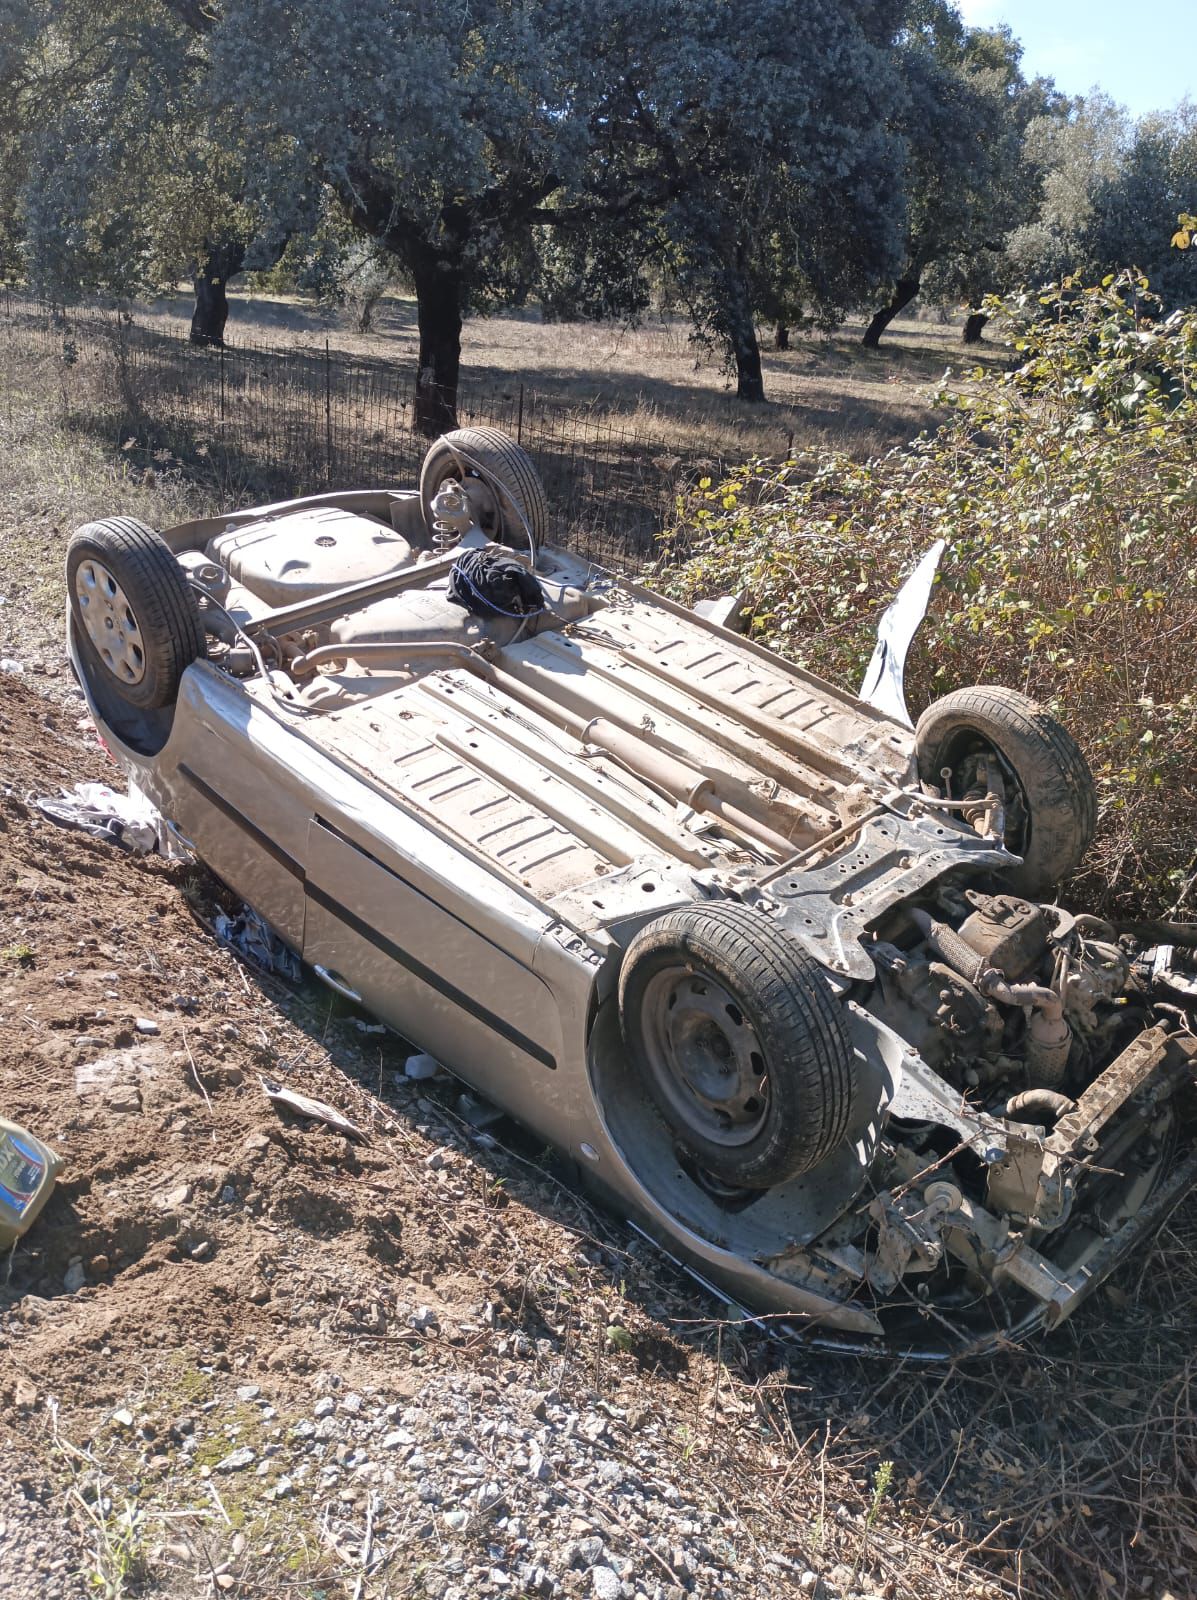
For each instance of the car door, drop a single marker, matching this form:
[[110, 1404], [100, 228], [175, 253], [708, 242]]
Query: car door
[[236, 801], [448, 970]]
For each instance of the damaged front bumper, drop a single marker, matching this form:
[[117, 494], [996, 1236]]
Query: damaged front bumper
[[1010, 1230]]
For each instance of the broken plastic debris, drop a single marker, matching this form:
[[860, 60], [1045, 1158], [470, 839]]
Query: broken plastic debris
[[253, 937], [318, 1110], [421, 1066]]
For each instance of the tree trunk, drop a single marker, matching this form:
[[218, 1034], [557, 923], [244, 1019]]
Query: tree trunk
[[781, 339], [974, 323], [438, 316], [741, 336], [222, 261], [904, 292]]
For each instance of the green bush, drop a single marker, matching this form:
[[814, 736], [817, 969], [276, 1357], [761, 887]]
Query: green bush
[[1066, 487]]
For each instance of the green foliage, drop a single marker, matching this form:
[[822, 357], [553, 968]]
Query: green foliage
[[968, 179], [1111, 189], [1067, 490], [883, 1480], [460, 140]]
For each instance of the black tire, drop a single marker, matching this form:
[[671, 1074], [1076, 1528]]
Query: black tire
[[771, 1003], [122, 557], [1053, 824], [500, 461]]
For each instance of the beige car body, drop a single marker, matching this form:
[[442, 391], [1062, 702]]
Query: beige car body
[[461, 825]]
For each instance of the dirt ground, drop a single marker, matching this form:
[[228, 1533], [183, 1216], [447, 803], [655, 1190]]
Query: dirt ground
[[198, 1240]]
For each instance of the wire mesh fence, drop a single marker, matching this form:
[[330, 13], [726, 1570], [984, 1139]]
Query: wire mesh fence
[[258, 421]]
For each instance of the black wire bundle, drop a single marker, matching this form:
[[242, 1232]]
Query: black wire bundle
[[488, 584]]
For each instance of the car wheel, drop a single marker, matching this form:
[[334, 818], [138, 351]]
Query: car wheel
[[737, 1037], [504, 487], [135, 619], [1053, 811]]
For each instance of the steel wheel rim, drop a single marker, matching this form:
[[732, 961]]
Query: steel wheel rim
[[704, 1056], [110, 621]]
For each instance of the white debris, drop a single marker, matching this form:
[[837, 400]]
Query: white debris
[[421, 1066], [318, 1110], [253, 937], [128, 820]]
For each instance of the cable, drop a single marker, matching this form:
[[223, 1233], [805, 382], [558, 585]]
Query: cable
[[279, 699]]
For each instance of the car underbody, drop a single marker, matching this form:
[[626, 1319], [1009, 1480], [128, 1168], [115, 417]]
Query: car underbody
[[784, 979]]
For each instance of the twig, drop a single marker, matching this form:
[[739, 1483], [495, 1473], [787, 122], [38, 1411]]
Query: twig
[[367, 1548], [219, 1503], [199, 1082]]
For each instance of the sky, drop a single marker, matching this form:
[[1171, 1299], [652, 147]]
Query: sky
[[1142, 55]]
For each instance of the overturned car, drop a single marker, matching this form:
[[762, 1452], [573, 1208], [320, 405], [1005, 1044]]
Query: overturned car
[[780, 974]]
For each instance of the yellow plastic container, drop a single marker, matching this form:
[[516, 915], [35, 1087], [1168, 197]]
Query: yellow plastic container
[[28, 1169]]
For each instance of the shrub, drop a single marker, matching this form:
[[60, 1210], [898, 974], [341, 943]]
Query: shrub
[[1066, 487]]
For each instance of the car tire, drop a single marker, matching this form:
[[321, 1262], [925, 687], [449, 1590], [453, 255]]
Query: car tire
[[1058, 799], [515, 506], [135, 619], [739, 1041]]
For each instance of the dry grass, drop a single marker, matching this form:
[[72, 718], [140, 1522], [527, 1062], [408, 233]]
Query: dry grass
[[52, 479], [825, 392], [618, 421]]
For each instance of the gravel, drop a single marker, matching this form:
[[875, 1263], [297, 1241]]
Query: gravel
[[505, 1488]]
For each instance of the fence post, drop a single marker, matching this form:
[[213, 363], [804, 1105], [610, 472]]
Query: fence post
[[221, 350], [328, 443], [519, 421]]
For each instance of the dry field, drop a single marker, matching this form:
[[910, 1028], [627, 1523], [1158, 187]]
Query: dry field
[[618, 421], [826, 391]]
